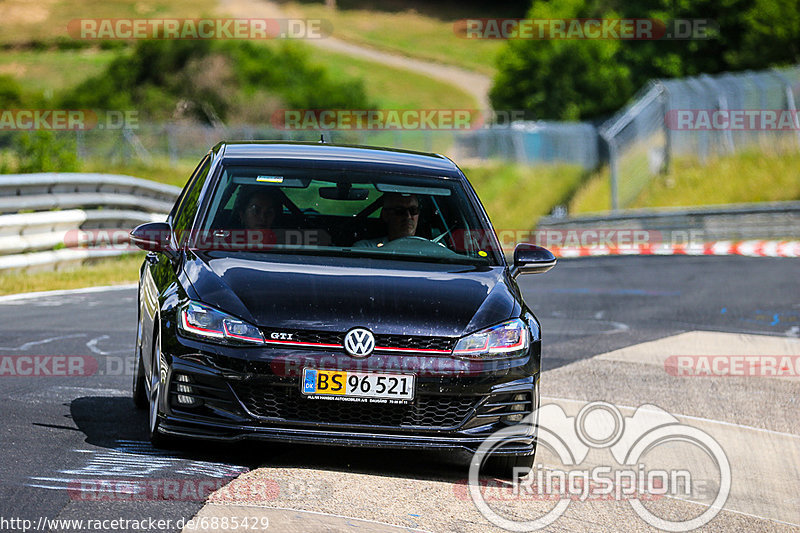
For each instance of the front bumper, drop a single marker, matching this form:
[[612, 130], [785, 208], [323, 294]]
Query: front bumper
[[253, 393]]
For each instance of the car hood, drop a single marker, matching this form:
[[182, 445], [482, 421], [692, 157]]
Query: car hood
[[335, 294]]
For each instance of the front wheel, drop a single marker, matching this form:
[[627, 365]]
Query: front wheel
[[139, 389], [158, 439]]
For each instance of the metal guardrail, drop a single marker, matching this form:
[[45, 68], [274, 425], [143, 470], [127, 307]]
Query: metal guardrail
[[30, 239], [771, 220], [40, 192], [55, 182], [44, 202]]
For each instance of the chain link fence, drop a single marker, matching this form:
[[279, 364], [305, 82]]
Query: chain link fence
[[700, 118], [177, 142], [530, 143], [524, 143], [666, 119]]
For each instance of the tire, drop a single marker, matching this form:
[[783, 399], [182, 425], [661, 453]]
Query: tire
[[157, 439], [139, 389]]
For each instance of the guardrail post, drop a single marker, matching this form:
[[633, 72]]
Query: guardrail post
[[518, 145], [664, 97], [80, 147], [613, 163], [171, 148], [790, 103], [722, 105]]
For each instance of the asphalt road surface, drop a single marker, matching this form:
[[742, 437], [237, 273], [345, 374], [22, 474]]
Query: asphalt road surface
[[607, 325]]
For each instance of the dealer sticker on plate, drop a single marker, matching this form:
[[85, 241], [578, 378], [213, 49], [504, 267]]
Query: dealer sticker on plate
[[345, 385]]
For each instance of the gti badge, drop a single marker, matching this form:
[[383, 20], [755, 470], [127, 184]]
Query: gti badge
[[359, 342]]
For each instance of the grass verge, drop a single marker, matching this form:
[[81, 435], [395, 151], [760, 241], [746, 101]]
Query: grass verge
[[752, 176], [407, 33], [393, 88], [516, 196], [53, 70], [22, 21], [160, 170], [111, 271]]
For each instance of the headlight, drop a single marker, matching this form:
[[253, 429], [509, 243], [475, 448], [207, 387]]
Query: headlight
[[202, 321], [503, 340]]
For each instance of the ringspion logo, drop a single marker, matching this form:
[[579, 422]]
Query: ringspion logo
[[650, 437]]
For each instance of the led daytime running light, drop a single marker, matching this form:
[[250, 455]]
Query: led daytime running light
[[493, 341], [217, 325]]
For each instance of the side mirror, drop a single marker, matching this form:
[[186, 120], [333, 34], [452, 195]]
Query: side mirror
[[153, 237], [531, 259]]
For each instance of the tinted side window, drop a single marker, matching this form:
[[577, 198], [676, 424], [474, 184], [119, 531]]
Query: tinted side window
[[184, 216]]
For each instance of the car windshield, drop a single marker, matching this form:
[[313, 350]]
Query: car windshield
[[314, 211]]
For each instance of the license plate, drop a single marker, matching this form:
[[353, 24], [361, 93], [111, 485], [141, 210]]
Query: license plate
[[345, 384]]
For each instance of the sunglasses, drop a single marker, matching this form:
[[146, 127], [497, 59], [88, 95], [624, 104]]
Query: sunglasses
[[400, 211]]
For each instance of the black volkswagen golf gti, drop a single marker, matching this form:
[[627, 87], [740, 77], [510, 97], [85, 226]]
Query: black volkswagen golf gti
[[317, 293]]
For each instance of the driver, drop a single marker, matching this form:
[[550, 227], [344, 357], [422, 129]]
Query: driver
[[255, 209], [400, 213]]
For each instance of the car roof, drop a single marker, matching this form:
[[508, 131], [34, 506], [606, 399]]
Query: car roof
[[337, 154]]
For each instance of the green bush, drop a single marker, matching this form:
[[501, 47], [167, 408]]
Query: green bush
[[213, 80], [10, 93], [43, 151]]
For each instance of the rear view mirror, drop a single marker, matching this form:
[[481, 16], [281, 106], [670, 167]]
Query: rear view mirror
[[531, 259], [343, 193]]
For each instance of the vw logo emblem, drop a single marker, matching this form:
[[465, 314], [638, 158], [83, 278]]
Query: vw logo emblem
[[359, 342]]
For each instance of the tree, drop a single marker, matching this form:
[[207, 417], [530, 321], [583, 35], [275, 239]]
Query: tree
[[587, 79]]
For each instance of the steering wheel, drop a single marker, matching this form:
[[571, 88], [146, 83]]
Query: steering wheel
[[438, 240], [410, 242], [419, 245]]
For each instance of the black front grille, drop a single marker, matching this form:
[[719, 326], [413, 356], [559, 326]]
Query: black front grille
[[319, 337], [415, 343], [412, 342], [287, 403]]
